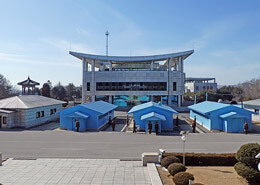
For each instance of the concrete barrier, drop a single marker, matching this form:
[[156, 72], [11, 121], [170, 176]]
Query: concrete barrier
[[149, 157]]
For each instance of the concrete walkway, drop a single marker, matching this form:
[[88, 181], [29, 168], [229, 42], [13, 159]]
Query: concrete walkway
[[74, 172]]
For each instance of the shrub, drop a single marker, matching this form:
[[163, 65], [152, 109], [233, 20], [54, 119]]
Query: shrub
[[166, 161], [182, 178], [175, 168], [246, 154], [250, 174]]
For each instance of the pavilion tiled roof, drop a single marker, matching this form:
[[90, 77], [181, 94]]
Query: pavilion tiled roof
[[29, 82]]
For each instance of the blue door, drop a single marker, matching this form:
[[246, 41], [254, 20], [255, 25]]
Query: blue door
[[237, 125]]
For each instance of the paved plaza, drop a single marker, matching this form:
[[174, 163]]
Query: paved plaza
[[113, 145], [74, 172]]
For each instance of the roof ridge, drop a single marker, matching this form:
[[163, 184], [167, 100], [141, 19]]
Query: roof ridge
[[18, 97]]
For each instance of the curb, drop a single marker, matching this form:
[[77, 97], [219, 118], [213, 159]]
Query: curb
[[153, 173]]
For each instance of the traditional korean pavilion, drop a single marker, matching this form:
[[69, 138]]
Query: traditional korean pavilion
[[28, 86]]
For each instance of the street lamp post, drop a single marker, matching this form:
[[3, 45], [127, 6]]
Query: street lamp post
[[183, 138]]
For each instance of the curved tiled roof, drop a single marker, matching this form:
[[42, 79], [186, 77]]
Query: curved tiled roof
[[161, 57], [29, 82]]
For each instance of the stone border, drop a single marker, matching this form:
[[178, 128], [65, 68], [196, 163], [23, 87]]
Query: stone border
[[154, 175]]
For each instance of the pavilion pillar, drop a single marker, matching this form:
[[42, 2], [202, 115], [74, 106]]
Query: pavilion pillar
[[84, 83], [151, 98], [152, 66]]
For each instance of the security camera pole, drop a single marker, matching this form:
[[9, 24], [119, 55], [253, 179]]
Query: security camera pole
[[183, 138]]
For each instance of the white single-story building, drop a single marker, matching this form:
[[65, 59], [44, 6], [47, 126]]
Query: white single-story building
[[28, 111]]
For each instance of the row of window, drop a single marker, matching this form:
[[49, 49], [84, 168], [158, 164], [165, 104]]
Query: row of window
[[104, 115], [131, 86], [204, 87], [41, 113]]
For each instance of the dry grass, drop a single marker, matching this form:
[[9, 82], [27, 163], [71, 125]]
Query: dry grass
[[208, 175]]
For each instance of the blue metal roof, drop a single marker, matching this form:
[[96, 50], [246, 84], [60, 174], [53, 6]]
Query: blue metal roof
[[153, 116], [207, 106], [151, 104], [99, 106], [78, 115], [232, 115]]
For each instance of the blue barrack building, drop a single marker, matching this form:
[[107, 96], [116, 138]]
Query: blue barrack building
[[92, 116], [220, 116], [154, 112]]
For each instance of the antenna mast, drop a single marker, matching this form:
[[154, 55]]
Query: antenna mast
[[107, 33]]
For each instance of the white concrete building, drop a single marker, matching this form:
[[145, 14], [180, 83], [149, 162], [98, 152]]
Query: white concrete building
[[154, 76], [253, 105], [199, 84], [28, 111]]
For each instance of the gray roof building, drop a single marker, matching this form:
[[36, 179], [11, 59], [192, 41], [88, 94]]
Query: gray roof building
[[28, 111]]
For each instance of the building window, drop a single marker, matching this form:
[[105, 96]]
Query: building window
[[211, 87], [51, 111], [204, 87], [42, 115], [257, 111], [88, 86], [197, 88], [4, 119], [174, 86], [38, 114], [208, 87], [55, 110]]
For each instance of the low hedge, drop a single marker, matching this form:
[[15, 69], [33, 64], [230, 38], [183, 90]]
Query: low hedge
[[201, 159], [182, 178]]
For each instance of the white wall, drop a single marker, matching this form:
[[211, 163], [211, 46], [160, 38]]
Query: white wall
[[30, 116]]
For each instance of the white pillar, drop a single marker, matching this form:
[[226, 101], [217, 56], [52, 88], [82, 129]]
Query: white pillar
[[152, 66], [110, 99], [179, 64], [84, 83], [179, 100], [110, 66], [169, 97], [169, 64], [92, 83]]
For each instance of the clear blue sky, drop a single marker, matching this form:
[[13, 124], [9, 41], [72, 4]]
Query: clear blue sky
[[36, 36]]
